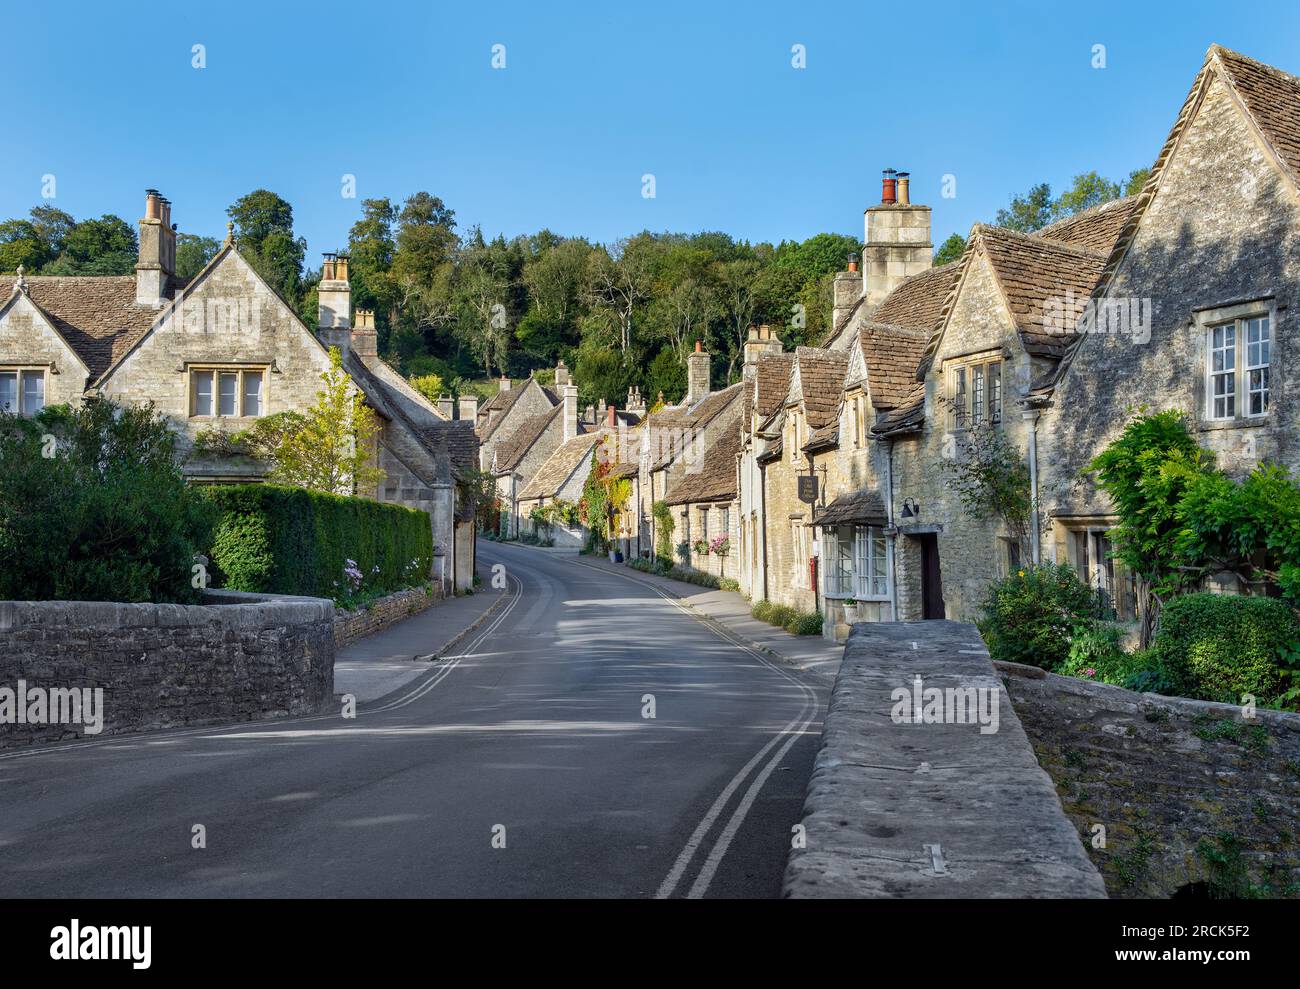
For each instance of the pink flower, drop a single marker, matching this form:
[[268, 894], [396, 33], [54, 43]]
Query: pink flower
[[1090, 672]]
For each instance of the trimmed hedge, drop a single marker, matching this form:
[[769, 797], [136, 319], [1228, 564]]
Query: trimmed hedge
[[273, 539], [1217, 646]]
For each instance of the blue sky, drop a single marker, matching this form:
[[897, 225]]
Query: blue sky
[[593, 96]]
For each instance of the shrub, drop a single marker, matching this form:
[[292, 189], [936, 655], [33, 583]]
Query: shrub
[[93, 507], [1029, 617], [805, 623], [280, 540], [728, 584], [1217, 647], [783, 616]]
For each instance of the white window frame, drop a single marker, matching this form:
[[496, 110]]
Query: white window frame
[[241, 372], [20, 373], [1248, 360], [868, 555]]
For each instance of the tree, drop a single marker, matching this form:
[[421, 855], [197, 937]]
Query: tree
[[193, 254], [735, 282], [620, 280], [429, 385], [1086, 191], [106, 246], [1032, 211], [22, 244], [329, 446], [1136, 180], [950, 250], [1145, 472], [371, 251], [264, 232]]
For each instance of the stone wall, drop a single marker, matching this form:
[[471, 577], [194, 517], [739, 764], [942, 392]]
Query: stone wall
[[237, 657], [352, 625], [931, 810], [1190, 795]]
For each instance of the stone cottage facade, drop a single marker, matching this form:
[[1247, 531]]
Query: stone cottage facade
[[220, 351]]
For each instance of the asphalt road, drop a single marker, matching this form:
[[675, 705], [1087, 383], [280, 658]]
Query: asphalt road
[[534, 738]]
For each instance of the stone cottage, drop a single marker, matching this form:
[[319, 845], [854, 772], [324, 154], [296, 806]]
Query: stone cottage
[[220, 351]]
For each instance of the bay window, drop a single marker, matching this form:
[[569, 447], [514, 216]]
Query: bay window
[[856, 562]]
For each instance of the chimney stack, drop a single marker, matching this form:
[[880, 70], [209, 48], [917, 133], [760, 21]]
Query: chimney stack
[[446, 406], [157, 260], [503, 384], [635, 403], [365, 338], [761, 340], [569, 398], [612, 420], [697, 374], [897, 240], [334, 294], [469, 408], [561, 374]]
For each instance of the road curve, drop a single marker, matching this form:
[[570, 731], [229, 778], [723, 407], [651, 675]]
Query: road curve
[[525, 766]]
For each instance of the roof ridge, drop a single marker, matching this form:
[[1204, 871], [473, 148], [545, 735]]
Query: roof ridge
[[1085, 213], [1221, 50], [984, 229]]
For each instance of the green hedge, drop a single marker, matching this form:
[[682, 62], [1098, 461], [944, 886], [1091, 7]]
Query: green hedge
[[1030, 616], [1217, 646], [280, 540]]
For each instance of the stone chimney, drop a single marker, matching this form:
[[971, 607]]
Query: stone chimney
[[503, 384], [469, 408], [847, 290], [446, 406], [334, 304], [611, 419], [561, 374], [569, 399], [635, 403], [897, 240], [600, 413], [761, 340], [365, 338], [157, 260], [589, 415], [697, 374]]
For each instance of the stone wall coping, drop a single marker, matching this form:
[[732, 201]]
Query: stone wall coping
[[227, 609], [933, 811], [1116, 694]]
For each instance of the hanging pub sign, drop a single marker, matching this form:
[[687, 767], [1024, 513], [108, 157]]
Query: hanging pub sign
[[808, 489]]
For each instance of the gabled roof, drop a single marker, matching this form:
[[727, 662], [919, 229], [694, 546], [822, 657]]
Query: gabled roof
[[1271, 100], [503, 402], [825, 438], [891, 354], [512, 451], [700, 415], [821, 377], [772, 382], [715, 480], [917, 304], [907, 418], [95, 314], [1094, 229], [559, 467]]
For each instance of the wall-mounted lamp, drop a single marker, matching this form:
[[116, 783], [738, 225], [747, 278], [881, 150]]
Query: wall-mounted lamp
[[911, 509]]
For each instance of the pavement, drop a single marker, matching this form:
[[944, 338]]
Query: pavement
[[379, 664], [594, 737]]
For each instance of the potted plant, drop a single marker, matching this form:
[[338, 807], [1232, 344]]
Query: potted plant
[[850, 611], [701, 548]]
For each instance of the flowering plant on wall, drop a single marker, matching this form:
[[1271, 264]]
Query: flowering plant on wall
[[719, 545], [701, 547]]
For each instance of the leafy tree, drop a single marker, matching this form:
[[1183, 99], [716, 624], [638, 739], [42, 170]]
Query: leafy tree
[[106, 246], [264, 232], [21, 243], [1145, 472], [1086, 191], [329, 446], [1032, 211], [1136, 180], [371, 250], [950, 250], [429, 385], [193, 253], [53, 226]]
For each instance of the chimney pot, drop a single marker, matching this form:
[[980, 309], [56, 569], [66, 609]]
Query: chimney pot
[[904, 197], [698, 347], [888, 187], [613, 416], [853, 262]]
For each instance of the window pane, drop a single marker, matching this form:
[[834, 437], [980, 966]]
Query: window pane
[[995, 392], [33, 392], [252, 393], [1257, 374], [203, 393], [977, 402], [959, 397], [229, 384], [1223, 365], [8, 391]]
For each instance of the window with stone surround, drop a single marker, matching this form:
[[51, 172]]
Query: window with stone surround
[[1088, 550], [975, 393], [22, 390], [1236, 350], [227, 391], [855, 562]]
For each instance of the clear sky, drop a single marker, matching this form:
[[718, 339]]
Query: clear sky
[[403, 96]]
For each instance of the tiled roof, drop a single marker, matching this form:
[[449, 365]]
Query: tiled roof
[[1273, 99], [702, 413], [772, 382], [821, 377], [1094, 229], [715, 480], [95, 314], [907, 418], [1033, 271], [568, 456], [859, 507], [917, 303], [503, 402], [512, 451], [823, 439], [892, 354]]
